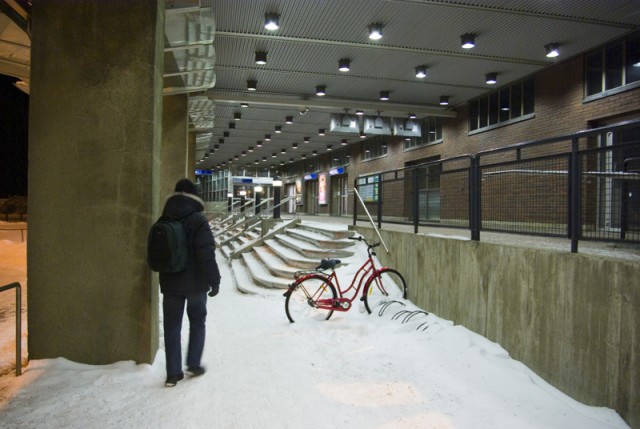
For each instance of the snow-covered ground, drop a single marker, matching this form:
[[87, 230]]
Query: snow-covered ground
[[355, 371]]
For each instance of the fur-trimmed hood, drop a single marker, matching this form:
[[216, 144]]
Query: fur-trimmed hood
[[182, 204]]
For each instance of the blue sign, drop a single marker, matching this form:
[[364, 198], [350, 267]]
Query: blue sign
[[311, 176], [204, 172], [334, 171]]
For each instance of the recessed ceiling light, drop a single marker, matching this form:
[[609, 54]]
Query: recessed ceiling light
[[261, 57], [552, 50], [491, 78], [444, 100], [289, 119], [468, 40], [271, 21], [344, 65], [375, 31], [252, 85], [321, 132], [321, 90], [421, 72], [384, 95]]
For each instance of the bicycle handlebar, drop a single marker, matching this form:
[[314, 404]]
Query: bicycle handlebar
[[361, 238]]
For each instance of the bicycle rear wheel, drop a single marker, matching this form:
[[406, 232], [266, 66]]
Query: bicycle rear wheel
[[387, 285], [301, 302]]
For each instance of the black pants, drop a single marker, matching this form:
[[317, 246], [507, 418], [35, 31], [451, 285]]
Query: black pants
[[173, 309]]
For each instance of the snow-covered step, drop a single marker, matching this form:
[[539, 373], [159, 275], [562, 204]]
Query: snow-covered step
[[321, 240], [261, 275], [310, 250], [336, 232], [244, 283], [275, 264], [225, 250], [292, 257]]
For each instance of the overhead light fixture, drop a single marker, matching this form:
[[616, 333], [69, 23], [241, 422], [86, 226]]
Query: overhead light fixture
[[294, 145], [421, 72], [221, 141], [359, 112], [226, 134], [412, 116], [244, 153], [216, 147], [264, 159], [273, 155], [552, 50], [271, 21], [267, 137], [278, 129], [306, 140], [375, 31], [321, 90], [343, 142], [491, 78], [444, 100], [258, 143], [468, 41], [283, 151], [314, 152], [250, 149], [384, 95], [329, 147], [303, 156], [244, 104], [232, 125], [289, 119], [252, 85], [321, 132], [261, 57], [363, 135], [343, 64], [237, 116]]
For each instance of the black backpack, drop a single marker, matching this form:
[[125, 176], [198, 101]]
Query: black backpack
[[167, 246]]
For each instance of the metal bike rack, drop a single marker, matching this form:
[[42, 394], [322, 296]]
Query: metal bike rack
[[18, 323]]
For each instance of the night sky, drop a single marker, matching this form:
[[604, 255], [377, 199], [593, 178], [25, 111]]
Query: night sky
[[14, 114]]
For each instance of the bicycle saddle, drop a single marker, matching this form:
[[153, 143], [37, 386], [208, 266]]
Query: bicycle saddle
[[328, 264]]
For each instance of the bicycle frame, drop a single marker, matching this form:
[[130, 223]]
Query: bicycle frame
[[362, 277]]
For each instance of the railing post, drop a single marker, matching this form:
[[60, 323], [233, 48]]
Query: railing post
[[355, 203], [379, 210], [475, 207], [18, 323], [416, 212], [574, 196]]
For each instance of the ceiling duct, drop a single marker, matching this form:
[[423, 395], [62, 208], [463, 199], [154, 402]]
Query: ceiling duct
[[406, 127], [344, 123], [377, 125]]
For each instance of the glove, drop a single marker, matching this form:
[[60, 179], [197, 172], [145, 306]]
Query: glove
[[214, 291]]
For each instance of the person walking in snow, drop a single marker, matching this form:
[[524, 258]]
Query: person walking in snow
[[191, 286]]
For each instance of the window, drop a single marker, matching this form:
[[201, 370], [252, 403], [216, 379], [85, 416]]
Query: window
[[614, 66], [368, 188], [431, 127], [502, 106], [375, 147], [340, 157]]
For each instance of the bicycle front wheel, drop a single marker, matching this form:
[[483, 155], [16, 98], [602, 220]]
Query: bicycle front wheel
[[387, 285], [302, 299]]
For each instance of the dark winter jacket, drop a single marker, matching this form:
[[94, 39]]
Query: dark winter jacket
[[202, 271]]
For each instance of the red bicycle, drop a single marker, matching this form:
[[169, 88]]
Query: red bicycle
[[316, 294]]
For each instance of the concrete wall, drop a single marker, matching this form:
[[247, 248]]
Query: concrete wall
[[574, 319], [94, 155]]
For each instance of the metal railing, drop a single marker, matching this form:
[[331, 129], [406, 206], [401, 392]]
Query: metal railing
[[18, 288], [582, 186]]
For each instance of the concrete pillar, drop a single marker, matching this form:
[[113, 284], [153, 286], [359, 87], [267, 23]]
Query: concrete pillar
[[94, 158], [175, 148]]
